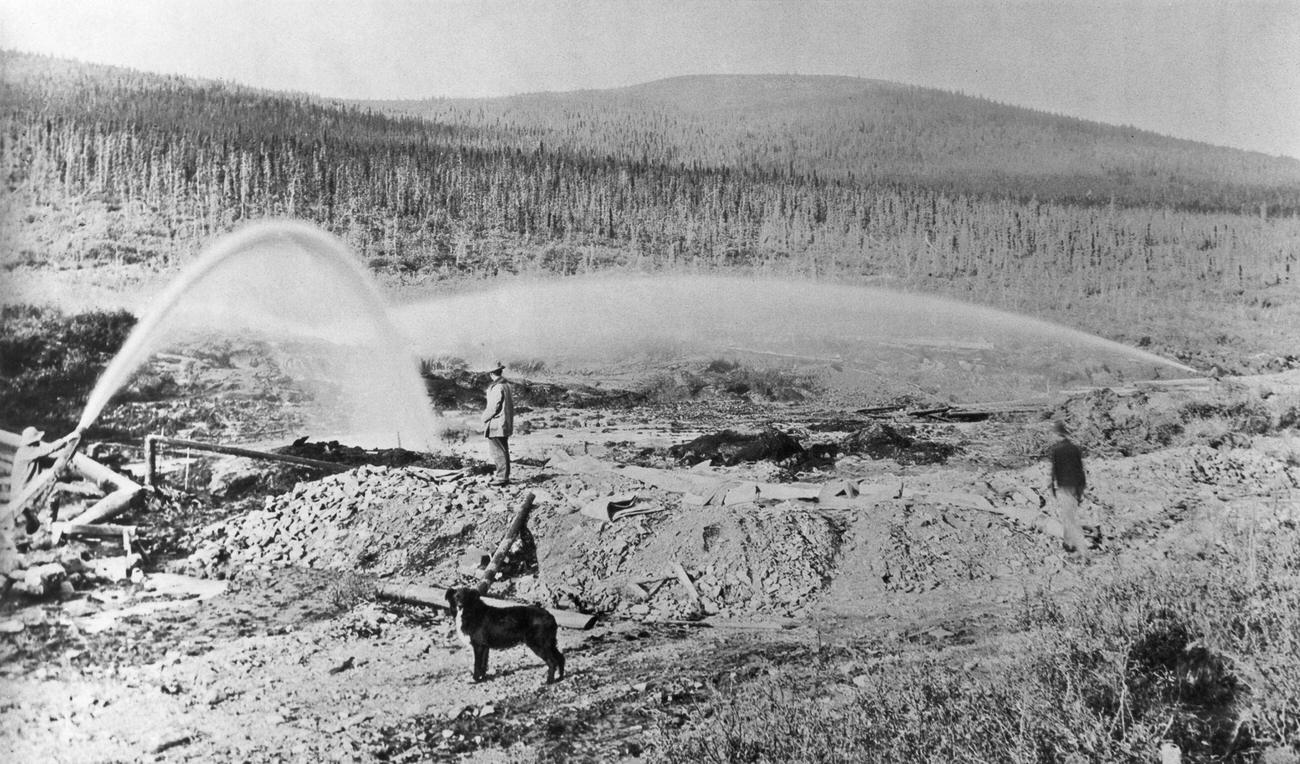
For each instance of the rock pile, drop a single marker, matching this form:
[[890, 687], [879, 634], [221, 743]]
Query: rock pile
[[741, 559], [1128, 423], [377, 520], [62, 571], [924, 546]]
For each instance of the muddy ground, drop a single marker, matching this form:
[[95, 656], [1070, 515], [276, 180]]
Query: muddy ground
[[255, 633]]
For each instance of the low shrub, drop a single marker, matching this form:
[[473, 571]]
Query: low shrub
[[728, 378], [49, 362], [1205, 655]]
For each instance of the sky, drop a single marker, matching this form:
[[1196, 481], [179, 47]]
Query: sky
[[1224, 71]]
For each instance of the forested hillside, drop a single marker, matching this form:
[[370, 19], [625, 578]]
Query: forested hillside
[[867, 131], [109, 165]]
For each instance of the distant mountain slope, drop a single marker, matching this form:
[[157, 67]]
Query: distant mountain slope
[[109, 167], [848, 129]]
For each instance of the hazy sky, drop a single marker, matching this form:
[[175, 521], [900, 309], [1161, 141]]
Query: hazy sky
[[1227, 72]]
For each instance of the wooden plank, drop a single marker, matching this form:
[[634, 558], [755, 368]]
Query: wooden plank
[[70, 528], [686, 582]]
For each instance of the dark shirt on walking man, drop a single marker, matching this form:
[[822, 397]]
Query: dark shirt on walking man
[[1067, 467], [1067, 474]]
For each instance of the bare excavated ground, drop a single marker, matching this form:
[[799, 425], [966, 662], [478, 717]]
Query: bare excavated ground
[[256, 634]]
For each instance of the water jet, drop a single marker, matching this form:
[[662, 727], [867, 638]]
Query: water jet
[[867, 338], [302, 291]]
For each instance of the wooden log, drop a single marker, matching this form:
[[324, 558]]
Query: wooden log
[[101, 475], [686, 581], [503, 548], [70, 528], [127, 532], [110, 506], [433, 596]]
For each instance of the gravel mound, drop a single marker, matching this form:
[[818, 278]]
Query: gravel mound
[[376, 520], [742, 559], [385, 521]]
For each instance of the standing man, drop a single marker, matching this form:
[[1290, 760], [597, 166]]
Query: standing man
[[499, 422], [1068, 482]]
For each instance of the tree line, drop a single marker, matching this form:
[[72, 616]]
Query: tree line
[[426, 199]]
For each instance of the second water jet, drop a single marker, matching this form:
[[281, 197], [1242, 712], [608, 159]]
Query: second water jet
[[876, 341]]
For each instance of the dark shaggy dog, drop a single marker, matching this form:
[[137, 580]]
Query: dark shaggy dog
[[485, 627]]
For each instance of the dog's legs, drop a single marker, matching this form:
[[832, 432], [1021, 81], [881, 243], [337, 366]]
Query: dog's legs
[[550, 653], [480, 662]]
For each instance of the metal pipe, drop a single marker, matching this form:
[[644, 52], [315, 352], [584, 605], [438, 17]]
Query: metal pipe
[[433, 596], [152, 442]]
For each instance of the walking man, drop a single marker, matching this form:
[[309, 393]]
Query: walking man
[[499, 423], [1068, 482]]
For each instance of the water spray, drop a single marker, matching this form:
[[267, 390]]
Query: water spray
[[290, 279], [607, 319]]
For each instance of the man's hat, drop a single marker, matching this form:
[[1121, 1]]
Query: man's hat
[[31, 435], [496, 367]]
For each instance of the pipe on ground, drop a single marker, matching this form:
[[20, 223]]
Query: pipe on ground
[[437, 597]]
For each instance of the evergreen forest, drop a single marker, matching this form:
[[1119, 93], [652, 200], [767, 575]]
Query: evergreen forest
[[835, 178]]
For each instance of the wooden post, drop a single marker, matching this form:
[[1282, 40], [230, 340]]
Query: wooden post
[[503, 548], [150, 459], [686, 582]]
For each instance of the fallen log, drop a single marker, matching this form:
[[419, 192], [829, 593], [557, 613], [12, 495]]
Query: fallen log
[[125, 492], [433, 596], [100, 475], [686, 582], [110, 506], [91, 529], [503, 548]]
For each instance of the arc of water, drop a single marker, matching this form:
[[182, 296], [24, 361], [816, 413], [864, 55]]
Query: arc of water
[[629, 308], [332, 253]]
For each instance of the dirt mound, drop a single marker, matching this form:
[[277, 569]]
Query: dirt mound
[[742, 559], [377, 520], [730, 447], [384, 521], [1107, 422], [882, 441]]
